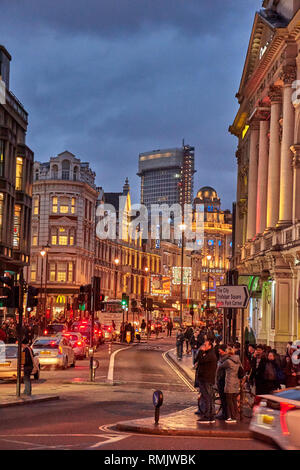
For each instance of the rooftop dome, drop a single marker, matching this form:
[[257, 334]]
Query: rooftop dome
[[207, 192]]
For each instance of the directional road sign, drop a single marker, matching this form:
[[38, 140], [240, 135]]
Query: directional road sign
[[232, 296]]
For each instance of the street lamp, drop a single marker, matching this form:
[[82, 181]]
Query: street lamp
[[208, 257], [117, 262], [42, 253], [182, 228]]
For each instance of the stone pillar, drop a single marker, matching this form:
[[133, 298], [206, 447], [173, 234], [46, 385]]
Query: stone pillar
[[296, 183], [286, 171], [275, 94], [262, 180], [252, 179]]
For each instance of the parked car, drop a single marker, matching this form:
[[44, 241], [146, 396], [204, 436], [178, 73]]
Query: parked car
[[54, 350], [78, 343], [8, 363], [277, 418], [84, 327]]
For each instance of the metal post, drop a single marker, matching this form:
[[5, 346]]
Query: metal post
[[92, 377], [46, 274], [181, 278], [20, 334]]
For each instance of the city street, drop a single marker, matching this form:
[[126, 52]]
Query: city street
[[83, 416]]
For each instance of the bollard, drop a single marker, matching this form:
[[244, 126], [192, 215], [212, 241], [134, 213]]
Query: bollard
[[95, 367], [158, 399]]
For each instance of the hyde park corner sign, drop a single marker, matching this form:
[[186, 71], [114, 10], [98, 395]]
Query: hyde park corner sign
[[232, 296]]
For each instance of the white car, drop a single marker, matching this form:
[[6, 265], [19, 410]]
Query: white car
[[78, 344], [8, 363], [277, 418], [54, 351]]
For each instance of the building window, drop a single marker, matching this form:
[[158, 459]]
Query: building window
[[73, 205], [33, 271], [1, 213], [66, 170], [17, 226], [64, 205], [75, 173], [34, 236], [36, 175], [63, 240], [36, 201], [54, 205], [52, 272], [61, 272], [2, 157], [70, 272], [19, 173], [55, 172]]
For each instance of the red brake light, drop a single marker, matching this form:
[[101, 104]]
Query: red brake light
[[284, 408], [45, 332], [79, 343]]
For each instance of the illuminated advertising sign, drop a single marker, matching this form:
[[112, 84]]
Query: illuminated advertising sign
[[160, 285], [187, 276]]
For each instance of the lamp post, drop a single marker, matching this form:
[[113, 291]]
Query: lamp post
[[42, 253], [208, 257], [117, 262], [182, 228]]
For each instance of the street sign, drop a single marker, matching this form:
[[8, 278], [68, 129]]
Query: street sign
[[232, 297]]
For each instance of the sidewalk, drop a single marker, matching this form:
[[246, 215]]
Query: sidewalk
[[9, 399], [185, 422]]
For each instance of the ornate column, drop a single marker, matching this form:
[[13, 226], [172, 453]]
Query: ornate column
[[296, 182], [275, 94], [252, 178], [286, 171], [262, 180]]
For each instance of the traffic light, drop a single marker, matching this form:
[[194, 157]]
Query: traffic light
[[144, 303], [99, 298], [149, 304], [9, 294], [125, 300], [32, 300], [133, 304], [84, 297]]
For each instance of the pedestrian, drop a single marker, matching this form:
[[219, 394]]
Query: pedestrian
[[143, 327], [169, 328], [220, 382], [195, 346], [179, 343], [28, 365], [188, 336], [272, 374], [257, 374], [206, 374], [232, 383], [290, 369]]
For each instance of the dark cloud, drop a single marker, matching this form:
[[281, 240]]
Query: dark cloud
[[109, 79]]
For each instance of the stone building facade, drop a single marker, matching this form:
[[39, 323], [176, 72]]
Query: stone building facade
[[16, 162], [267, 125], [63, 231]]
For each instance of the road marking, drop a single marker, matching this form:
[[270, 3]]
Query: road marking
[[110, 375], [187, 383], [110, 436]]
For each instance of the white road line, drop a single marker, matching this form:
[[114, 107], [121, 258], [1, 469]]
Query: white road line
[[110, 375], [187, 383]]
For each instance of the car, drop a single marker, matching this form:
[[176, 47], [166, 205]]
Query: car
[[109, 333], [78, 344], [276, 417], [54, 351], [84, 327], [8, 363], [54, 328]]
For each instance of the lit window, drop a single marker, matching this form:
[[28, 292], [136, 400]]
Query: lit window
[[2, 147], [36, 205], [70, 272], [64, 205], [61, 272], [19, 173], [33, 271], [54, 240], [73, 205], [52, 272], [71, 240], [63, 240], [1, 212], [54, 204]]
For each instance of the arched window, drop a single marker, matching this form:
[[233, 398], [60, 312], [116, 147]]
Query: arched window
[[66, 170], [54, 173], [75, 173]]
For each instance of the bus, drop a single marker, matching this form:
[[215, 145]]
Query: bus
[[112, 311]]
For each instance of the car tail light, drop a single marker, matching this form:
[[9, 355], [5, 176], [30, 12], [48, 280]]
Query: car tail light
[[45, 332], [79, 343], [284, 408]]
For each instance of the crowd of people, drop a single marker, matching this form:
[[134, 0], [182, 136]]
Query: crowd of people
[[221, 367], [9, 330]]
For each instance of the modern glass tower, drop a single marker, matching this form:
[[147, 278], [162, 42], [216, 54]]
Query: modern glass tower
[[167, 176]]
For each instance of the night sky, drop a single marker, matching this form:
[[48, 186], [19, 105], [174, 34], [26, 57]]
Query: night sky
[[108, 79]]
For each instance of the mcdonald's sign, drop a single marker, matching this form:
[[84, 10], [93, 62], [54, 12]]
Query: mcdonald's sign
[[61, 299]]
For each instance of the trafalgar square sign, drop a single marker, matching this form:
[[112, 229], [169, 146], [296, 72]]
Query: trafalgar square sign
[[232, 297]]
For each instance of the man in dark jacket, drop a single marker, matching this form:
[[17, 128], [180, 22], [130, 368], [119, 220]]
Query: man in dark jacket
[[258, 370], [206, 374], [28, 366]]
